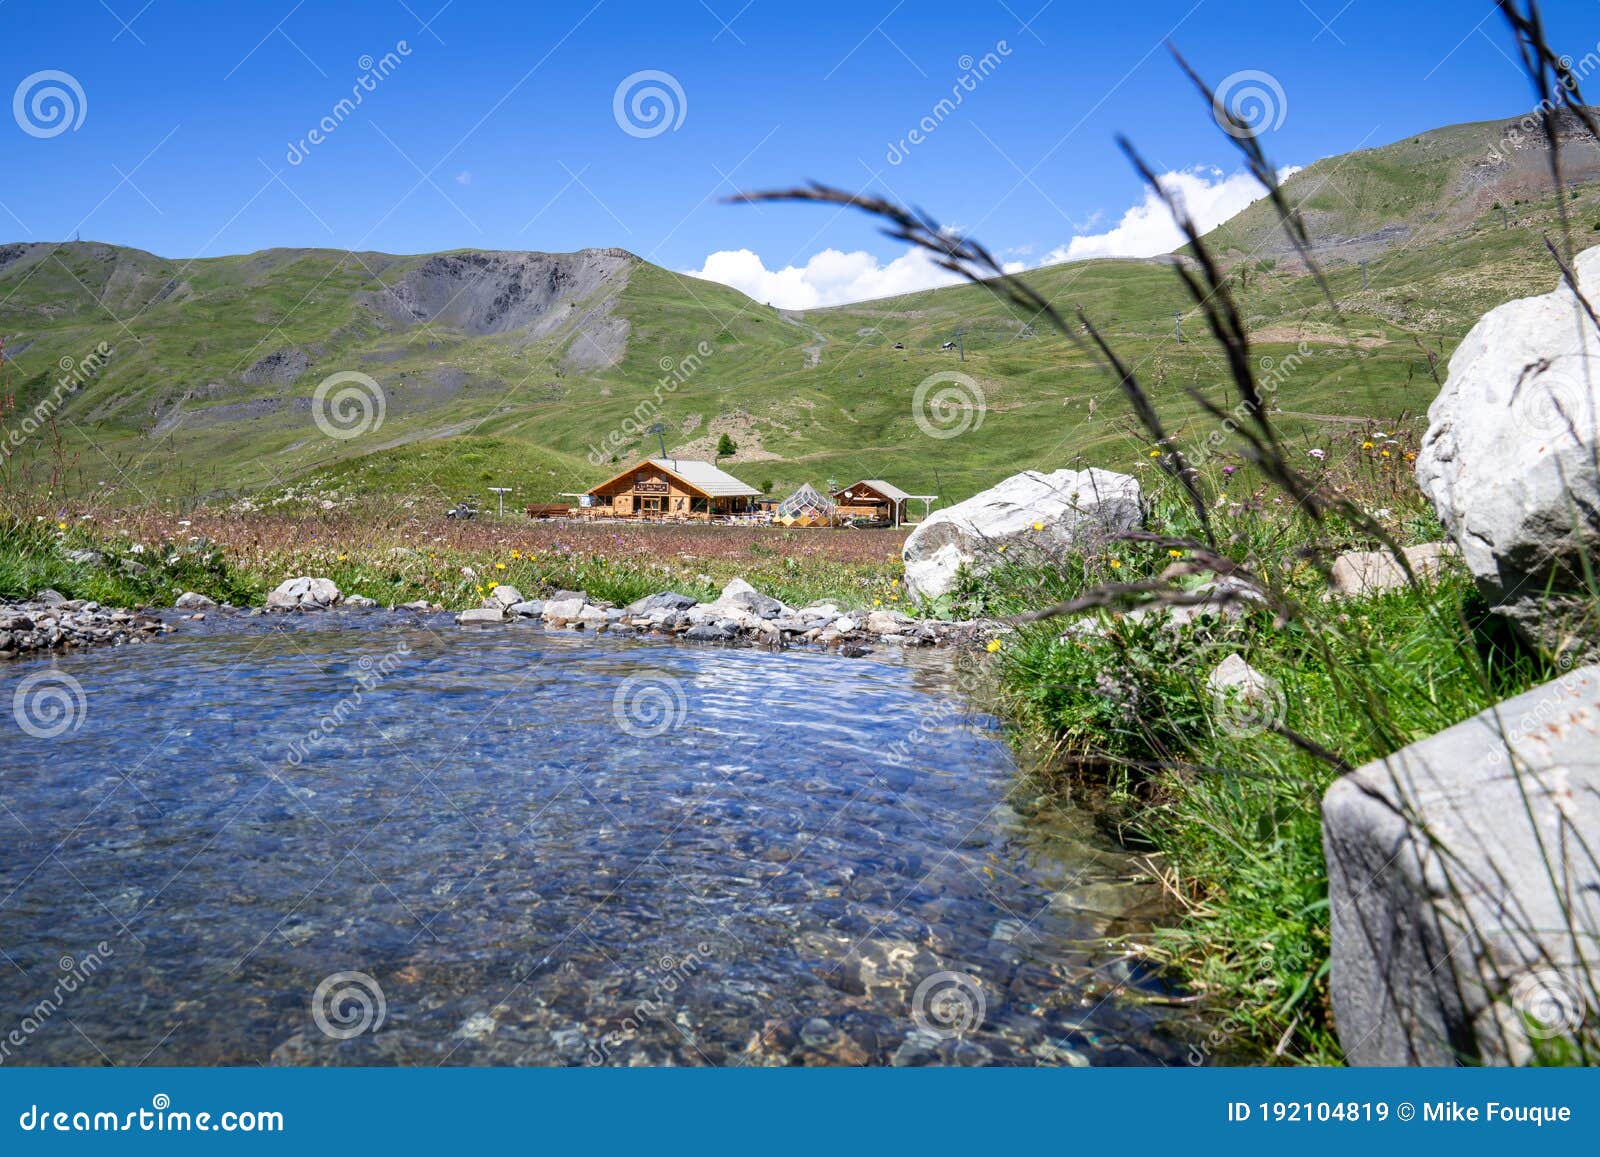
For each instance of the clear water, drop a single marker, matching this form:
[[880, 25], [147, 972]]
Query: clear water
[[523, 847]]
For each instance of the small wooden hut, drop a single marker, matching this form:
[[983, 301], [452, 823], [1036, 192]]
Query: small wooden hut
[[874, 500], [670, 488]]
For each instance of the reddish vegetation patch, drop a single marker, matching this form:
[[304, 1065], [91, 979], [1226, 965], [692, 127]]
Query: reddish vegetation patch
[[266, 531]]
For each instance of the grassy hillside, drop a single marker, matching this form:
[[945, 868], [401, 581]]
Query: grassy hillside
[[515, 369]]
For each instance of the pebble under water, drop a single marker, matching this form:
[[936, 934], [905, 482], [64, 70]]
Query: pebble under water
[[371, 838]]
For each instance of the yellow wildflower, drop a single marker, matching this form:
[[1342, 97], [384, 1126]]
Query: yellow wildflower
[[499, 566], [61, 526], [1155, 453], [992, 646], [1174, 554], [1386, 453], [1115, 564], [1366, 445], [1038, 526]]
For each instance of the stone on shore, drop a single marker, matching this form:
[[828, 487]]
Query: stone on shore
[[193, 601], [503, 596], [56, 622], [1509, 460], [562, 610], [304, 593], [739, 595], [1029, 517], [481, 615], [1464, 891], [662, 601]]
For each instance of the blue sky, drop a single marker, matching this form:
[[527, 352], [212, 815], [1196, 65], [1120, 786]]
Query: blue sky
[[496, 126]]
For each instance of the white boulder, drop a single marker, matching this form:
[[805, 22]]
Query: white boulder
[[1509, 459], [503, 596], [1069, 508], [304, 594]]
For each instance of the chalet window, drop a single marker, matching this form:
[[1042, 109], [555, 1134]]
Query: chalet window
[[649, 503]]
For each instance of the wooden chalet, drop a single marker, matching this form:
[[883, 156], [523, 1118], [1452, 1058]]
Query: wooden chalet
[[874, 500], [669, 489]]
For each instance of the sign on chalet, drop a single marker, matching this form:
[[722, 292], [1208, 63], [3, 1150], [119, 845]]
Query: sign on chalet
[[670, 488]]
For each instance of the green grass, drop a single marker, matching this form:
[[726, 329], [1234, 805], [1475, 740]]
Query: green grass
[[1231, 811], [518, 414]]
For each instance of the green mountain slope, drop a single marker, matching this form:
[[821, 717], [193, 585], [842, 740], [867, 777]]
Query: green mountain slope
[[536, 371]]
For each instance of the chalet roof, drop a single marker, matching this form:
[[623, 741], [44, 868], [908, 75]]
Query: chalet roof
[[702, 476], [892, 493], [705, 477]]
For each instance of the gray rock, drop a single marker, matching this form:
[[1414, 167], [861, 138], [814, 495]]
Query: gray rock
[[360, 601], [1365, 572], [84, 557], [886, 622], [1464, 891], [711, 633], [563, 609], [482, 615], [1509, 460], [532, 609], [504, 596], [1235, 675], [304, 594], [739, 595], [133, 569], [663, 601], [50, 597], [192, 601], [1072, 508], [563, 596]]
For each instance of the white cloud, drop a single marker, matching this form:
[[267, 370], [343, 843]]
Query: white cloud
[[834, 278], [464, 177], [1147, 229], [828, 278]]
